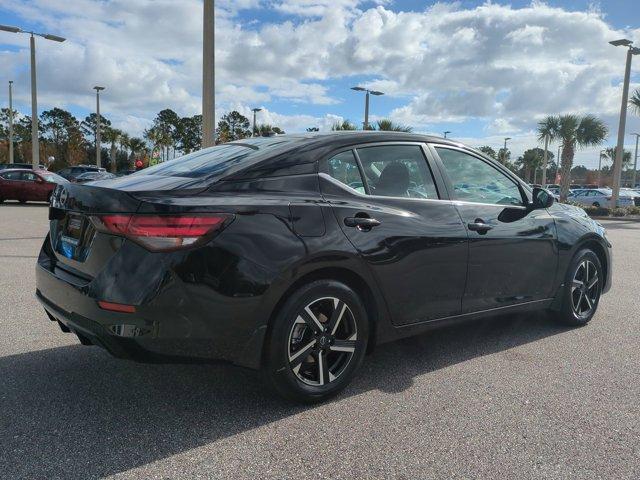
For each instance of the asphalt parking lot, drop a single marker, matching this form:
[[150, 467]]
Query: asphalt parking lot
[[513, 397]]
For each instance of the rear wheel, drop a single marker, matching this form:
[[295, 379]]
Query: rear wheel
[[596, 204], [317, 342], [583, 287]]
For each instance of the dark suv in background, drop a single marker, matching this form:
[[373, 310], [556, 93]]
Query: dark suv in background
[[72, 173]]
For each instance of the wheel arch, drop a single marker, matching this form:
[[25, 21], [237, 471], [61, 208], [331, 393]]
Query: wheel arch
[[354, 280], [595, 245]]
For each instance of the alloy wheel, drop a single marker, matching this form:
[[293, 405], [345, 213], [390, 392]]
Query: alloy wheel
[[585, 289], [322, 341]]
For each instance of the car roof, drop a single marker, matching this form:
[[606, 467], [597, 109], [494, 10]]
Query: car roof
[[293, 150], [30, 170]]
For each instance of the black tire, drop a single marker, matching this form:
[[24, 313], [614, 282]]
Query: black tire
[[292, 338], [596, 204], [576, 293]]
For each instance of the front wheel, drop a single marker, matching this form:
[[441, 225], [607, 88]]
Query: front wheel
[[583, 287], [317, 342]]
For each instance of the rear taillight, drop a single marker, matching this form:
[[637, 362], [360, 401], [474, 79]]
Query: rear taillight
[[162, 232]]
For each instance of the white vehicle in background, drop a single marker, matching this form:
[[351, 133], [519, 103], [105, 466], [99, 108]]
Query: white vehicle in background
[[599, 197], [633, 193]]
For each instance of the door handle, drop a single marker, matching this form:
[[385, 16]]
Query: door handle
[[361, 223], [479, 226]]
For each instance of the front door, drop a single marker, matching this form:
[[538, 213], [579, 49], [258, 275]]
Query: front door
[[512, 249], [386, 201]]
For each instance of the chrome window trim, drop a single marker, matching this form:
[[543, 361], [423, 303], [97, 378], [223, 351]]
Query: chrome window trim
[[350, 190]]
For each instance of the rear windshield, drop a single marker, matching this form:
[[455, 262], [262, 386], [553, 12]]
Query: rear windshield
[[53, 178], [215, 161]]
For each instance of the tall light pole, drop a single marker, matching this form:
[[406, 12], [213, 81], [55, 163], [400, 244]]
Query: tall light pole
[[35, 147], [10, 121], [208, 75], [98, 143], [446, 132], [504, 151], [366, 103], [255, 110], [603, 153], [545, 159], [558, 163], [635, 162], [617, 164]]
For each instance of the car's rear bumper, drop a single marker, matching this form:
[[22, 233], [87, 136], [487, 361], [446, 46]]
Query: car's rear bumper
[[174, 326]]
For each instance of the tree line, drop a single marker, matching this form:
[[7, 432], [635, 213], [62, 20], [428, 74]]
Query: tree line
[[71, 141]]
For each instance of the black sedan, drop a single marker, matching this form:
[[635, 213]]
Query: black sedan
[[298, 254]]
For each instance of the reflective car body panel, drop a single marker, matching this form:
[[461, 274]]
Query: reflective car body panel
[[421, 266]]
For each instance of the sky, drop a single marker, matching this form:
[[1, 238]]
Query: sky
[[482, 70]]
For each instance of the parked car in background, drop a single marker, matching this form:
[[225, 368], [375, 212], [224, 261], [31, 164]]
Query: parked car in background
[[599, 197], [91, 176], [71, 173], [5, 166], [631, 193], [260, 252], [27, 185]]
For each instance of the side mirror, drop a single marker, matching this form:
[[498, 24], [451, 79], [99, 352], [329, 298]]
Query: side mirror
[[542, 198]]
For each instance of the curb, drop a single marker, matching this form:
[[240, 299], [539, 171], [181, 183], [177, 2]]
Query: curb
[[628, 218]]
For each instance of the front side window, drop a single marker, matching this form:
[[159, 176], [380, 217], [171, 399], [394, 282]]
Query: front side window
[[344, 168], [12, 175], [397, 171], [475, 180], [29, 177]]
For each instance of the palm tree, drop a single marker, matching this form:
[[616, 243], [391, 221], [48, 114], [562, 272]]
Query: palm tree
[[635, 101], [112, 136], [387, 125], [344, 125], [626, 156], [573, 131], [124, 142], [136, 145]]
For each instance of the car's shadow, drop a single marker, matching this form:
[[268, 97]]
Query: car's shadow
[[10, 203], [76, 412]]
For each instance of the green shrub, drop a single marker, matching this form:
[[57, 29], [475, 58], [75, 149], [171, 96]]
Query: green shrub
[[597, 211], [619, 212], [633, 210]]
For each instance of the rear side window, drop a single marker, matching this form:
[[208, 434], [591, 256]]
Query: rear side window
[[397, 171], [344, 168]]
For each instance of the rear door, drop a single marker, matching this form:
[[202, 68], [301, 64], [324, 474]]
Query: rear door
[[512, 250], [30, 190], [386, 199]]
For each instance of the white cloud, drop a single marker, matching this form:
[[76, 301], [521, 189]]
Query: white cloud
[[501, 66]]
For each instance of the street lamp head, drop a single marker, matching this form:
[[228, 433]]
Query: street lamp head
[[622, 42], [256, 109], [8, 28], [375, 92], [55, 38], [507, 138], [358, 89], [97, 88]]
